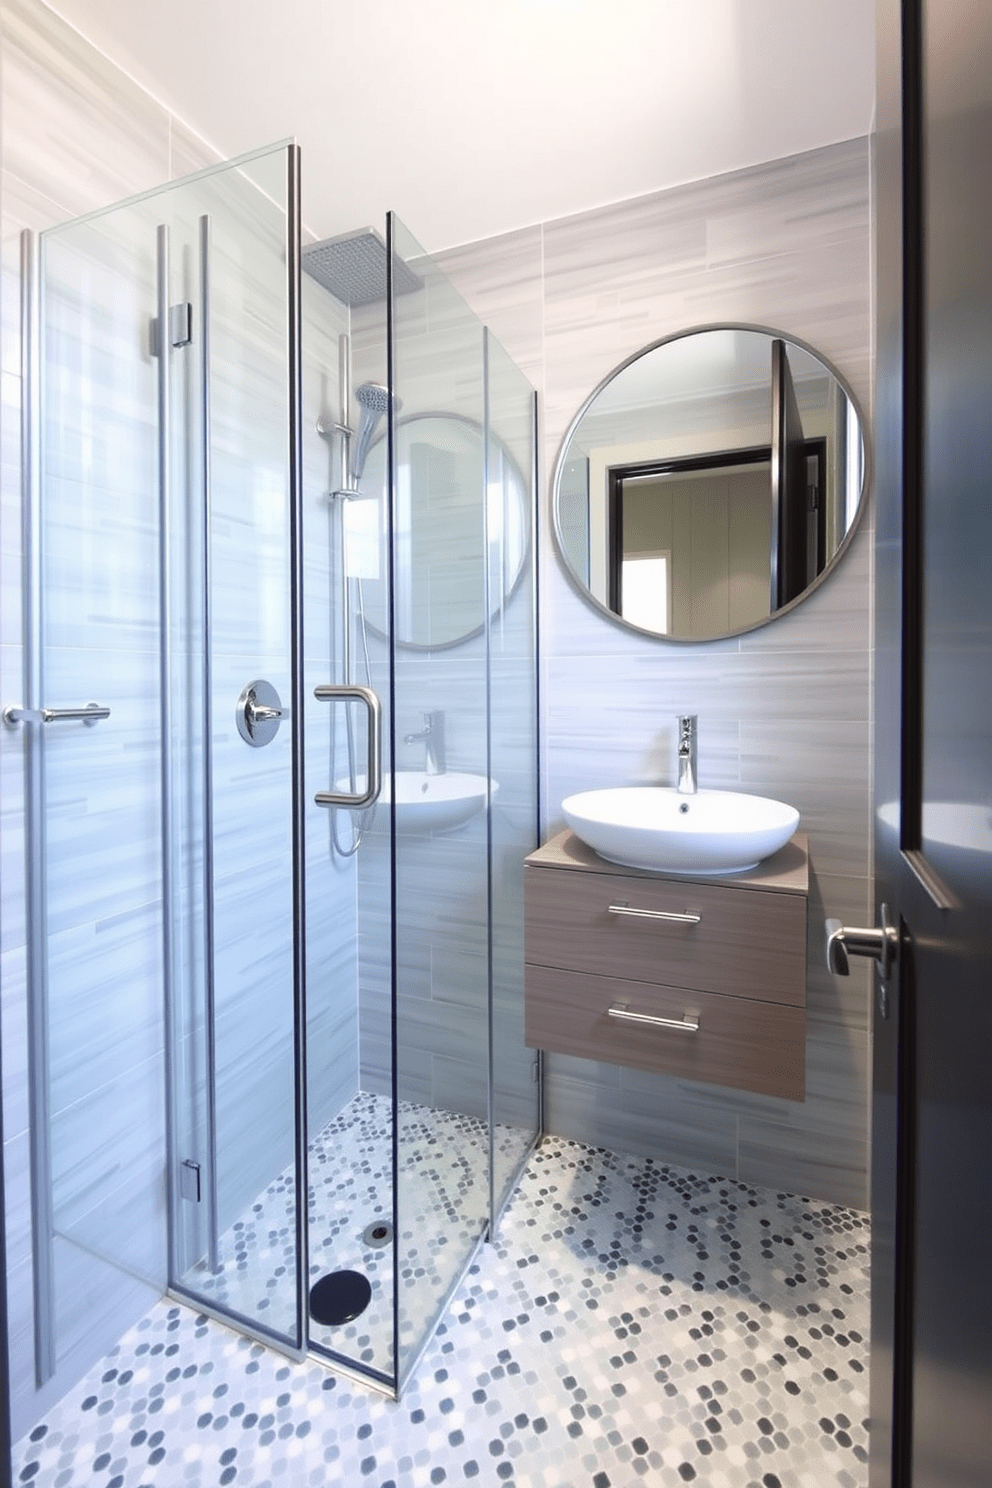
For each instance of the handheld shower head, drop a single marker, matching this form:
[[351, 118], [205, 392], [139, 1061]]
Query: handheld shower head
[[373, 399]]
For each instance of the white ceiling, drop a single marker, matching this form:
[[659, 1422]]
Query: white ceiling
[[472, 117]]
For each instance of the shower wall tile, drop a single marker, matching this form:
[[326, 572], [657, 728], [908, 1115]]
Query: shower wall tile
[[187, 151], [13, 973], [94, 1330], [821, 1145], [17, 1177], [75, 126], [783, 711], [506, 292], [108, 1188]]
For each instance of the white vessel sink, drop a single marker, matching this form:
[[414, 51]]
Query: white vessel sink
[[431, 803], [655, 827]]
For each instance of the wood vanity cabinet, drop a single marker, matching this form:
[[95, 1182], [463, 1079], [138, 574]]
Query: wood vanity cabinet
[[726, 954]]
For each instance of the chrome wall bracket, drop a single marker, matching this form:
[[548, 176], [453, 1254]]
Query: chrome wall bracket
[[180, 328], [259, 713]]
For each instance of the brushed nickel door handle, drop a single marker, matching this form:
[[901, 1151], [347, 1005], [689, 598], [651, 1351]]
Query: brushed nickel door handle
[[879, 944]]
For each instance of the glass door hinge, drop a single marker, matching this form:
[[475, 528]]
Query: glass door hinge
[[180, 327], [189, 1181]]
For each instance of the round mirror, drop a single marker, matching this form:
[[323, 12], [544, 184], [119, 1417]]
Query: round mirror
[[710, 483], [439, 533]]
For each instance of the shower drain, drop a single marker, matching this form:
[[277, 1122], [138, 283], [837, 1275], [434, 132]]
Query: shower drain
[[339, 1297], [377, 1234]]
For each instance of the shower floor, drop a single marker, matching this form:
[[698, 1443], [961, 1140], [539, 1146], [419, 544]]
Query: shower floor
[[443, 1200], [634, 1324]]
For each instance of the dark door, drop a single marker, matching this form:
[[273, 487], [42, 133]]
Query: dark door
[[932, 1124], [789, 499]]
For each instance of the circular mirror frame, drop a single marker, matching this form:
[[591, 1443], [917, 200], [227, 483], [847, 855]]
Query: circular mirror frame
[[729, 325], [530, 514]]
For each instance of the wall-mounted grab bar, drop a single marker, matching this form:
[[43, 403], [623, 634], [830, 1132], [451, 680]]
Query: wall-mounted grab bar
[[329, 693], [89, 714]]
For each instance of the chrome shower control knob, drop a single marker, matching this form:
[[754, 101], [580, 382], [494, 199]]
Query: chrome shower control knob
[[259, 713]]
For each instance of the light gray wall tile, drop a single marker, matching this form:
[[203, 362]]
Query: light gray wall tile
[[187, 151], [75, 126], [785, 710]]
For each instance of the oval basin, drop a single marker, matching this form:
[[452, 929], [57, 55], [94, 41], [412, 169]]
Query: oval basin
[[431, 803], [654, 827]]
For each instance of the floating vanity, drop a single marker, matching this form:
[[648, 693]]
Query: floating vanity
[[702, 978]]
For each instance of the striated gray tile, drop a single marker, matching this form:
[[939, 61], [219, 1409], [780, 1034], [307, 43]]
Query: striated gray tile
[[75, 126], [819, 1148], [188, 152]]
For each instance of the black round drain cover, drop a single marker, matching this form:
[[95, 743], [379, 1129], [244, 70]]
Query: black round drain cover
[[339, 1297]]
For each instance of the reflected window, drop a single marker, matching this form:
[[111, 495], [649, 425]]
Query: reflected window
[[645, 595]]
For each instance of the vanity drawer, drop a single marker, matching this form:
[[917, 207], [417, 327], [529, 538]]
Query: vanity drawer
[[757, 1046], [747, 942]]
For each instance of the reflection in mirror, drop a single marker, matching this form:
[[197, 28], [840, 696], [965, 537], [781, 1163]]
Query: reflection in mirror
[[439, 537], [709, 482]]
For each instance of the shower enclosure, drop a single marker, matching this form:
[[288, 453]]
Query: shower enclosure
[[279, 731]]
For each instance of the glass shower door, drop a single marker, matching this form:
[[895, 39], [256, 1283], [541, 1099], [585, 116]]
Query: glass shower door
[[171, 841]]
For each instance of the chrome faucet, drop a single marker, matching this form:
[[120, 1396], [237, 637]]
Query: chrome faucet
[[687, 754], [432, 734]]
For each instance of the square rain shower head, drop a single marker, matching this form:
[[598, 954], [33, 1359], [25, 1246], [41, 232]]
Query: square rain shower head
[[353, 267]]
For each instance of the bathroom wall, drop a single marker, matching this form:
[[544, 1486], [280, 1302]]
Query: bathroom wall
[[783, 711], [77, 134]]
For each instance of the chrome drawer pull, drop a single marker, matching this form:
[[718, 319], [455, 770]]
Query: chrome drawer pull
[[684, 1025], [655, 914]]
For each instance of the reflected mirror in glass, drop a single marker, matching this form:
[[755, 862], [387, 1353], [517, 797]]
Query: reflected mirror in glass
[[439, 537], [710, 483]]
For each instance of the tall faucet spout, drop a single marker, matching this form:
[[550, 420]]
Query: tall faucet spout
[[432, 735], [687, 754]]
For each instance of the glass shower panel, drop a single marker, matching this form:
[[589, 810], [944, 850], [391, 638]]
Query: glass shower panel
[[170, 838], [440, 787], [237, 1219], [510, 517], [96, 1001], [349, 893]]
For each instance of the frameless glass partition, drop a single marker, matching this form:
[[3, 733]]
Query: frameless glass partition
[[461, 456], [169, 838], [280, 719], [511, 435], [349, 875]]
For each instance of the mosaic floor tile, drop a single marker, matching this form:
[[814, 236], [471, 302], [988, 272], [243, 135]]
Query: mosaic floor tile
[[443, 1206], [634, 1324]]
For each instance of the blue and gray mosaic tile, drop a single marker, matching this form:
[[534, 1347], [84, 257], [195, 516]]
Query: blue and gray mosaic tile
[[634, 1324]]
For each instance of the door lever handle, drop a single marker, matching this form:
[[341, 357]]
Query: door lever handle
[[880, 944]]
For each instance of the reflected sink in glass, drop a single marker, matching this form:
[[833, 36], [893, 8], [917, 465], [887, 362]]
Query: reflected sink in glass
[[654, 827], [431, 803]]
